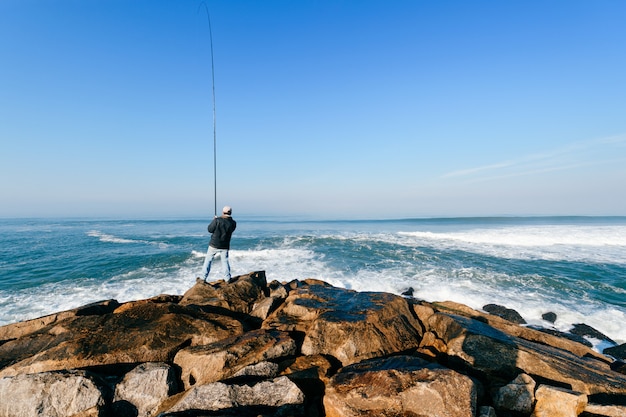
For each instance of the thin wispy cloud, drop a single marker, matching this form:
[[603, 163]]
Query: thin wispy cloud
[[572, 156]]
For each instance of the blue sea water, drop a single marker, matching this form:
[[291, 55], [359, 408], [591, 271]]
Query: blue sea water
[[572, 266]]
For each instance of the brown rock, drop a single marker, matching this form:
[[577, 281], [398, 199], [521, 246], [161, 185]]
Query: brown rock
[[558, 402], [238, 294], [277, 290], [598, 410], [262, 309], [223, 359], [348, 325], [24, 328], [309, 368], [527, 333], [135, 332], [311, 374], [496, 353], [399, 386]]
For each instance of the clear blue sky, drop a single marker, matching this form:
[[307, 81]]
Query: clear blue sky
[[333, 109]]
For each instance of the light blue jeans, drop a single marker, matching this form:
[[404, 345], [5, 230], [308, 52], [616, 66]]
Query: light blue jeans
[[210, 254]]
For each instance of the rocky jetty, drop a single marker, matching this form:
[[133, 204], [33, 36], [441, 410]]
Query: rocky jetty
[[299, 348]]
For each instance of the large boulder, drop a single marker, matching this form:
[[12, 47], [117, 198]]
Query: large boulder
[[517, 396], [26, 327], [51, 394], [506, 313], [399, 386], [348, 325], [497, 354], [223, 359], [557, 340], [239, 294], [135, 332], [558, 402], [144, 389]]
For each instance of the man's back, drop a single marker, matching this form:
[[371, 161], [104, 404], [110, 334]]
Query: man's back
[[222, 229]]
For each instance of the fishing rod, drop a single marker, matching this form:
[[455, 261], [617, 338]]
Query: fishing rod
[[208, 16]]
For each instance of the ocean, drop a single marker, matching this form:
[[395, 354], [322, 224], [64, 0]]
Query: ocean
[[572, 266]]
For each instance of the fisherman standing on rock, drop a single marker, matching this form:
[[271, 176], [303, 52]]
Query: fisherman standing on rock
[[221, 229]]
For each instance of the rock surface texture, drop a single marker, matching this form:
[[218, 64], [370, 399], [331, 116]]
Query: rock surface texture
[[300, 348]]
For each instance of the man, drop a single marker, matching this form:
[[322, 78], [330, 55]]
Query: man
[[221, 229]]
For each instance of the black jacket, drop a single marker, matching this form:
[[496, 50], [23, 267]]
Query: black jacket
[[222, 229]]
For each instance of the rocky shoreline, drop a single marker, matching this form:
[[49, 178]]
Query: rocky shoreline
[[301, 348]]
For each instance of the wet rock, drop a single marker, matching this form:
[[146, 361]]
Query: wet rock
[[347, 325], [495, 353], [506, 313], [585, 330], [550, 317], [135, 332], [27, 327], [619, 366], [400, 386], [408, 292], [558, 402], [564, 335], [618, 352], [51, 394]]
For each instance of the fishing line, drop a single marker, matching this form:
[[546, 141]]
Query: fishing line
[[208, 16]]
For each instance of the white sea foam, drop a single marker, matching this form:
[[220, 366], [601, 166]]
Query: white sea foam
[[580, 243], [108, 238], [104, 237]]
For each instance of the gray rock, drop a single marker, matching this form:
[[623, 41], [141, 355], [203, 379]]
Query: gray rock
[[518, 395], [219, 396], [50, 394], [486, 411], [145, 388], [261, 369]]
